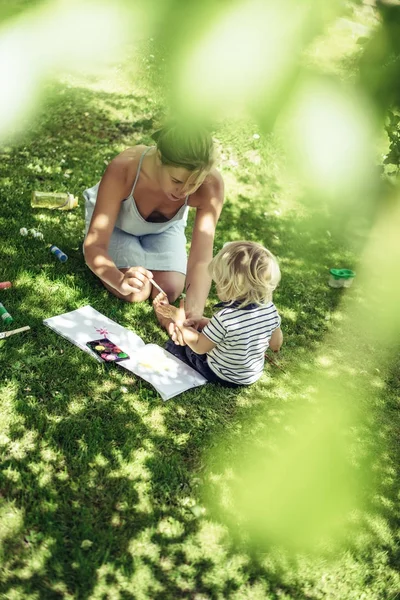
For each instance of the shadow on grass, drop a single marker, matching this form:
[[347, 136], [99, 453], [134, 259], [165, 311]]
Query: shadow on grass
[[100, 483]]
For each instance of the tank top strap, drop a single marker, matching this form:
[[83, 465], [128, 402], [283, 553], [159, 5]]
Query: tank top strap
[[139, 167]]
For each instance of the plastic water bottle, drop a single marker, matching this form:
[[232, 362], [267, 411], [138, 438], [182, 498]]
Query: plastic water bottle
[[54, 200]]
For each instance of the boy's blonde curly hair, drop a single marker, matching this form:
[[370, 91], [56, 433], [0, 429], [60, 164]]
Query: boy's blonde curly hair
[[245, 272]]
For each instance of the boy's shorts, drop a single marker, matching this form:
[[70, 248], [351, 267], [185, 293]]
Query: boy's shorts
[[197, 362]]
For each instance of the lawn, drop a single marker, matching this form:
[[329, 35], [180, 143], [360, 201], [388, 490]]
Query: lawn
[[106, 491]]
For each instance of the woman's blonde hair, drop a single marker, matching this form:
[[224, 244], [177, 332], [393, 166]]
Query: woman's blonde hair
[[188, 146], [245, 272]]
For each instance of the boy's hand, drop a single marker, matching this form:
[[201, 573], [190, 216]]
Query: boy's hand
[[185, 335], [175, 328]]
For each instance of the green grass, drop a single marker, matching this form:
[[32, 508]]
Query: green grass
[[104, 489]]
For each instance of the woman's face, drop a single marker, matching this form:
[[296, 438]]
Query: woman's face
[[173, 180]]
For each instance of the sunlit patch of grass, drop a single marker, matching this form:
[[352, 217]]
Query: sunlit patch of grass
[[170, 528], [11, 523], [109, 579], [143, 546], [155, 421], [135, 467], [289, 314], [20, 447]]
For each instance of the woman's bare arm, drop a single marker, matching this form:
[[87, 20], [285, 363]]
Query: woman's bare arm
[[109, 197], [114, 187], [198, 281]]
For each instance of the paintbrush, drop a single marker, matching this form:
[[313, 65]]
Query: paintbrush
[[271, 360], [5, 334], [157, 286]]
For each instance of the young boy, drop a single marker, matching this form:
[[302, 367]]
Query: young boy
[[231, 347]]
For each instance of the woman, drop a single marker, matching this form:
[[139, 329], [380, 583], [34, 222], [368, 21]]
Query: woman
[[136, 218]]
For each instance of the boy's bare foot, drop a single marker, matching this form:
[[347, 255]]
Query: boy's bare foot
[[167, 313]]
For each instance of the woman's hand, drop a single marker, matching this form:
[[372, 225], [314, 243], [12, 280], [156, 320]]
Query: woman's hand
[[195, 321], [134, 280]]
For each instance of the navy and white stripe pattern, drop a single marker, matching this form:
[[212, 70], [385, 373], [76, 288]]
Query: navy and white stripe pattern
[[241, 336]]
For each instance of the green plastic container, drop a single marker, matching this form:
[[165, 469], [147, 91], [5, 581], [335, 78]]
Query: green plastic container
[[341, 278]]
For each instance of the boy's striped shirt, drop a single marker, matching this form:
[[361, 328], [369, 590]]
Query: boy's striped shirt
[[241, 336]]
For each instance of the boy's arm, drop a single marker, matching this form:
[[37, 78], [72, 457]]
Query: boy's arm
[[196, 340], [276, 340], [176, 315]]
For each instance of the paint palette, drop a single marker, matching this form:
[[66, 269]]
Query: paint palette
[[107, 350]]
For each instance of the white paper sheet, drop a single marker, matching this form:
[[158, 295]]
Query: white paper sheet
[[169, 375]]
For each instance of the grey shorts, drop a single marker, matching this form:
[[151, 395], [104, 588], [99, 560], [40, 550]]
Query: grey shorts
[[156, 246], [164, 251]]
